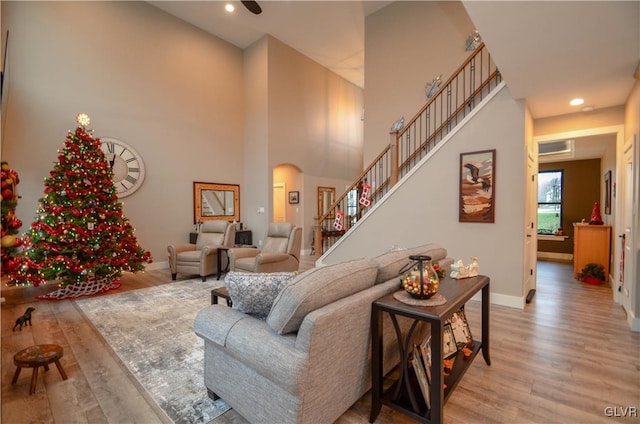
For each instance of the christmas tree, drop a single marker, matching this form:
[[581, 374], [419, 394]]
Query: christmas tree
[[10, 222], [80, 237]]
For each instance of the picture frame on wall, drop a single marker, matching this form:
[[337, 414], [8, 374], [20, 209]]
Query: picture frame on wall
[[294, 197], [607, 193], [477, 201]]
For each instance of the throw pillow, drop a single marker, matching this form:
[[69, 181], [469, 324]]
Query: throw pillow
[[254, 294], [391, 263], [316, 288]]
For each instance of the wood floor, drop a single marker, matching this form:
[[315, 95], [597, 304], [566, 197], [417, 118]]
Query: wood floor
[[565, 358]]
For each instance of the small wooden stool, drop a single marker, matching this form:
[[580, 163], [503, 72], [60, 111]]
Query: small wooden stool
[[38, 356]]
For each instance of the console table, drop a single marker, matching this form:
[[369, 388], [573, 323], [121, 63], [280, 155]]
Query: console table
[[591, 243], [242, 237], [404, 395]]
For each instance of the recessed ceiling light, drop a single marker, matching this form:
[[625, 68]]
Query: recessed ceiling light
[[588, 108], [229, 7], [576, 102]]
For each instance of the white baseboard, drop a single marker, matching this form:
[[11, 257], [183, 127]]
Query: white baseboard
[[555, 255], [503, 300], [157, 265], [634, 322]]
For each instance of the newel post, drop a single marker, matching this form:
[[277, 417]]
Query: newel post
[[394, 150], [317, 237]]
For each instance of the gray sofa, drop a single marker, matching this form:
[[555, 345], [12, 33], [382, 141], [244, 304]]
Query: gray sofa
[[309, 360]]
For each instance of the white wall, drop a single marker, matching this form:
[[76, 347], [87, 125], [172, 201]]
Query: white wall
[[257, 174], [314, 116], [407, 44], [195, 107], [424, 208], [301, 114], [168, 89], [632, 126]]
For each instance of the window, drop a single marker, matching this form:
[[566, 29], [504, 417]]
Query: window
[[549, 201], [352, 206]]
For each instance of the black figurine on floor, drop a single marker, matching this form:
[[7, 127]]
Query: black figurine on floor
[[24, 319]]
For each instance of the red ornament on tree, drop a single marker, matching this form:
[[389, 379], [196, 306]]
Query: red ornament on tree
[[596, 218]]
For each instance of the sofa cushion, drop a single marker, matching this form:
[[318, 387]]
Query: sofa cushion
[[189, 256], [392, 262], [253, 293], [316, 288]]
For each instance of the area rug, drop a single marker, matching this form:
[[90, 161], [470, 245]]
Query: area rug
[[151, 331]]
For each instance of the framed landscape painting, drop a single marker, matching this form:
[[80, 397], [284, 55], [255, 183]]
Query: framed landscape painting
[[477, 186]]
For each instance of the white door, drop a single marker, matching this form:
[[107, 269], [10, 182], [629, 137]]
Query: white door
[[279, 203], [631, 182], [530, 226]]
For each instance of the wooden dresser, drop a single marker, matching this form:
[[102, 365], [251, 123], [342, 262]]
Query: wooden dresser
[[591, 244]]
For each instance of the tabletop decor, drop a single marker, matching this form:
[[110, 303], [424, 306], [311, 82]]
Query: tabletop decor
[[420, 279]]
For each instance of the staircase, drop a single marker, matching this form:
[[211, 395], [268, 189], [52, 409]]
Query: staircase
[[456, 98]]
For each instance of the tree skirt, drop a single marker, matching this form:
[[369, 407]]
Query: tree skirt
[[89, 288]]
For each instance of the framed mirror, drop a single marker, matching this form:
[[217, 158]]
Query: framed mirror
[[326, 197], [216, 201]]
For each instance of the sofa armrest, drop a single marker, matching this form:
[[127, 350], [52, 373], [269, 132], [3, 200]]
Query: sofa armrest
[[210, 249], [214, 322], [250, 340], [243, 252], [174, 249], [240, 252], [172, 253]]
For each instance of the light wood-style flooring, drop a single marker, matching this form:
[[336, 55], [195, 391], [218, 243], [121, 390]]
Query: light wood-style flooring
[[566, 358]]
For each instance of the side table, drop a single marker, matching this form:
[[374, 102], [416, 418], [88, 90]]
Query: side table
[[222, 292], [219, 253], [38, 356], [222, 269], [403, 395]]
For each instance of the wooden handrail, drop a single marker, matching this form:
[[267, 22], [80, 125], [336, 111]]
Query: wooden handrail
[[447, 121], [442, 87], [397, 137], [353, 185]]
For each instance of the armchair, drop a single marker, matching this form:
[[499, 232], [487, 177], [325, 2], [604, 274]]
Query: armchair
[[201, 258], [280, 252]]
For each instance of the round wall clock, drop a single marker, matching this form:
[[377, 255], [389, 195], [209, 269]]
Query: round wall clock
[[126, 164]]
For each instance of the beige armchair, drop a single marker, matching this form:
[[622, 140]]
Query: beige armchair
[[280, 252], [201, 258]]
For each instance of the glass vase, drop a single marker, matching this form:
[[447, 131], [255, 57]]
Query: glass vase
[[421, 281]]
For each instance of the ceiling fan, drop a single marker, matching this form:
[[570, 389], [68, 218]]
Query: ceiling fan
[[252, 6]]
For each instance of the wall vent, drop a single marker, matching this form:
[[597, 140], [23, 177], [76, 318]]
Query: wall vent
[[554, 150]]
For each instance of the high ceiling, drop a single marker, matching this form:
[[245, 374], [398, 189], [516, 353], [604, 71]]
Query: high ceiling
[[329, 32], [548, 52]]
